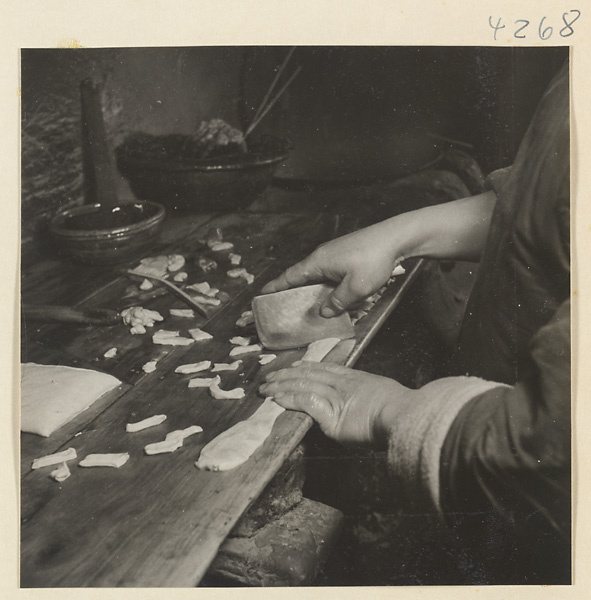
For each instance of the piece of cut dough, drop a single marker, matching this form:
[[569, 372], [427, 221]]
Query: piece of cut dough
[[54, 459], [175, 262], [233, 366], [203, 382], [318, 350], [239, 340], [398, 270], [173, 440], [241, 272], [184, 313], [61, 473], [150, 366], [139, 318], [206, 300], [203, 288], [170, 338], [265, 359], [219, 394], [145, 423], [237, 350], [246, 318], [199, 335], [105, 460], [193, 367], [219, 246], [181, 276], [146, 285], [110, 353], [51, 395], [235, 259], [237, 444]]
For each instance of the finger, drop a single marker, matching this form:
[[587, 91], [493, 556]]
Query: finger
[[324, 372], [300, 386], [343, 296], [316, 406], [295, 276]]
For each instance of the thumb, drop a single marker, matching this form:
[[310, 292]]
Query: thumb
[[340, 299]]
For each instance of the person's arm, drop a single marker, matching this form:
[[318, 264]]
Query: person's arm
[[361, 262]]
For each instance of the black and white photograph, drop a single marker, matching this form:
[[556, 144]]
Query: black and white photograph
[[295, 316]]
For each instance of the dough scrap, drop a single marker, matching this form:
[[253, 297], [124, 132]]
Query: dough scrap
[[173, 440], [265, 359], [61, 473], [170, 338], [219, 246], [146, 285], [318, 350], [235, 259], [241, 272], [193, 367], [145, 423], [239, 340], [110, 353], [219, 394], [199, 335], [175, 262], [207, 300], [246, 318], [204, 382], [105, 460], [203, 288], [398, 270], [237, 350], [180, 277], [150, 366], [237, 444], [233, 366], [54, 459], [139, 318], [184, 313]]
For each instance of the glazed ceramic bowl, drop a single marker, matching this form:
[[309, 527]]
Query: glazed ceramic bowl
[[98, 234], [164, 168]]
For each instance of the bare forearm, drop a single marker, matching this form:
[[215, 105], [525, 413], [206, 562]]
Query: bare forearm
[[455, 230]]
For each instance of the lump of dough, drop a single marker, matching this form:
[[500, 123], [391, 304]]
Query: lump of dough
[[145, 423], [184, 313], [110, 353], [173, 440], [193, 367], [146, 285], [318, 350], [234, 366], [199, 335], [175, 262], [180, 277], [219, 394], [265, 359], [237, 350], [54, 459], [235, 259], [150, 366], [398, 270], [219, 246], [139, 318], [207, 300], [203, 288], [105, 460], [246, 318], [61, 473], [237, 444], [170, 338], [203, 382], [239, 340], [241, 272]]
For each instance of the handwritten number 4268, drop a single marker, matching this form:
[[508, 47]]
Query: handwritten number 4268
[[544, 32]]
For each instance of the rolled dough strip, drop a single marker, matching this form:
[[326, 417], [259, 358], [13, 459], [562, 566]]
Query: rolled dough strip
[[203, 382], [105, 460], [199, 335], [193, 367], [237, 444], [173, 440], [265, 359], [207, 300], [184, 313], [170, 338], [203, 288], [239, 340], [222, 246], [219, 394], [318, 350], [235, 259], [61, 473], [175, 262], [145, 423], [233, 366], [54, 459], [237, 350]]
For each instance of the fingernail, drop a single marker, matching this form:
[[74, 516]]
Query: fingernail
[[327, 312]]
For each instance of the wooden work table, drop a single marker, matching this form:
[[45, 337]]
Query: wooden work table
[[158, 521]]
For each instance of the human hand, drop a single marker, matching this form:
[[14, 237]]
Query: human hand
[[360, 263], [352, 407]]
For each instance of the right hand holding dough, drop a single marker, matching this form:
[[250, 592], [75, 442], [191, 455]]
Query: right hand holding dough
[[360, 263]]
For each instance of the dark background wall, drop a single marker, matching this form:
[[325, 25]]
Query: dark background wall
[[354, 113]]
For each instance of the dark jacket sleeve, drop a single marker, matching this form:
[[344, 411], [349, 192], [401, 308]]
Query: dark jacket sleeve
[[510, 448]]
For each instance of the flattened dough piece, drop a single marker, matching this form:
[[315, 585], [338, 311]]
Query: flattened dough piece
[[173, 440], [199, 335], [203, 382], [318, 350], [105, 460], [233, 366], [236, 445], [219, 394], [145, 423], [61, 473], [238, 350], [54, 459], [51, 396], [193, 367]]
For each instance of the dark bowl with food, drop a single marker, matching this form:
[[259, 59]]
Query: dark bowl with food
[[98, 234], [173, 170]]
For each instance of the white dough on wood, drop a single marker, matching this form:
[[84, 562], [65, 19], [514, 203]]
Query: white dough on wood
[[110, 353], [150, 366], [145, 423], [181, 276], [61, 473], [265, 359], [237, 444], [318, 350], [246, 318], [173, 440], [233, 366], [54, 459], [170, 338], [239, 340], [222, 246], [219, 394], [193, 367], [184, 313], [105, 460], [203, 382], [237, 350], [199, 335], [235, 259]]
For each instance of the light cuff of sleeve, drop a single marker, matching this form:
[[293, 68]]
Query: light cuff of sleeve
[[416, 438]]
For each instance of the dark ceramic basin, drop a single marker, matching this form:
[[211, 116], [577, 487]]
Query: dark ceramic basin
[[99, 234]]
